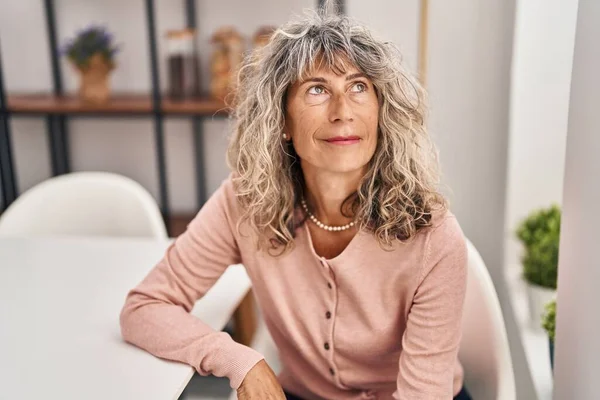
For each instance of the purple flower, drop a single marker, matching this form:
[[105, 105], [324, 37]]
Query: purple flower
[[89, 41]]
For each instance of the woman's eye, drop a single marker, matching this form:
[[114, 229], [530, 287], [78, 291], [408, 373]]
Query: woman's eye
[[316, 90], [360, 86]]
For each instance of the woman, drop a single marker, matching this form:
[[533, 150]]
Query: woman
[[356, 263]]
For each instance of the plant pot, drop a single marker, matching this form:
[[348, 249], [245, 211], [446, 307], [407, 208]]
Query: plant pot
[[94, 80], [551, 344], [538, 297]]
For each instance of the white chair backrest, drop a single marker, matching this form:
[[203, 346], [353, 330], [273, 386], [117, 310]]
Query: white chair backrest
[[484, 351], [84, 203]]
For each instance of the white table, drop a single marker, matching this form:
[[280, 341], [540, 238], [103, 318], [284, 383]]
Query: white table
[[60, 301]]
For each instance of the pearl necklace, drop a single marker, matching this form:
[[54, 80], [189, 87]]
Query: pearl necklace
[[322, 225]]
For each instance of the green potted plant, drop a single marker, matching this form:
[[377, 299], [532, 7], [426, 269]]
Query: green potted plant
[[540, 235], [549, 325], [92, 54]]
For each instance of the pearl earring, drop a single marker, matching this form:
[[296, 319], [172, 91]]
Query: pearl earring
[[284, 135]]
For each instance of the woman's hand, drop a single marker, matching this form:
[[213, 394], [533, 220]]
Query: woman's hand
[[260, 383]]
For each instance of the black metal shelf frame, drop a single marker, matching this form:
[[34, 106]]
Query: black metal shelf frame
[[7, 172], [57, 124]]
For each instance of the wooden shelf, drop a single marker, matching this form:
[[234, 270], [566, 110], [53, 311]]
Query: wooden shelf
[[204, 106], [118, 104]]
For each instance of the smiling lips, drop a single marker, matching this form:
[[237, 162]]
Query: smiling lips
[[343, 140]]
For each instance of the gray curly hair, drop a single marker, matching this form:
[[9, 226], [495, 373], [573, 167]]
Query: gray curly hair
[[397, 195]]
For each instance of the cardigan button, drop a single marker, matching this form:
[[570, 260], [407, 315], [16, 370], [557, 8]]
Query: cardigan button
[[326, 345], [328, 315]]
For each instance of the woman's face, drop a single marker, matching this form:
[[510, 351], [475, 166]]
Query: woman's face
[[332, 120]]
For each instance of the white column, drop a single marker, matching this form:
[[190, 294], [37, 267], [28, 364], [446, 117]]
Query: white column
[[577, 362]]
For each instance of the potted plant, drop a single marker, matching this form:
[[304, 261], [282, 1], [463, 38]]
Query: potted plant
[[549, 325], [92, 54], [540, 233]]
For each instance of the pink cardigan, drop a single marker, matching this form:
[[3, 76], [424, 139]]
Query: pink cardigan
[[367, 324]]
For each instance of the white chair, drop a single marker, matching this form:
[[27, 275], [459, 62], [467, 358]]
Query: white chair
[[84, 203], [484, 351]]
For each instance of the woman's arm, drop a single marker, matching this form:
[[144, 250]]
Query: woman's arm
[[156, 315], [433, 331]]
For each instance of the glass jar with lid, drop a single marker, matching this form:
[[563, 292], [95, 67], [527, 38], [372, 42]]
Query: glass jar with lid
[[183, 66]]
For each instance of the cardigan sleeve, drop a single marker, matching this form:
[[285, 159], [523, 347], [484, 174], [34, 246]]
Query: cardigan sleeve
[[433, 331], [156, 315]]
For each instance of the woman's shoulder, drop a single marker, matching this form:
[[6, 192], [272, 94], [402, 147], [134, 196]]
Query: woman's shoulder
[[442, 217], [227, 187], [445, 238], [444, 231], [225, 198]]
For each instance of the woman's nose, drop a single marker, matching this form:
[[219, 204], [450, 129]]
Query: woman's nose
[[340, 109]]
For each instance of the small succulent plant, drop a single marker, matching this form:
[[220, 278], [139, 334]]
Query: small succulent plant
[[540, 234], [549, 319]]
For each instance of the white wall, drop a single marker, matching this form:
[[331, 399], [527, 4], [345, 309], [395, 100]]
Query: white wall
[[396, 21], [469, 73], [541, 79], [578, 321], [470, 52], [120, 145]]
